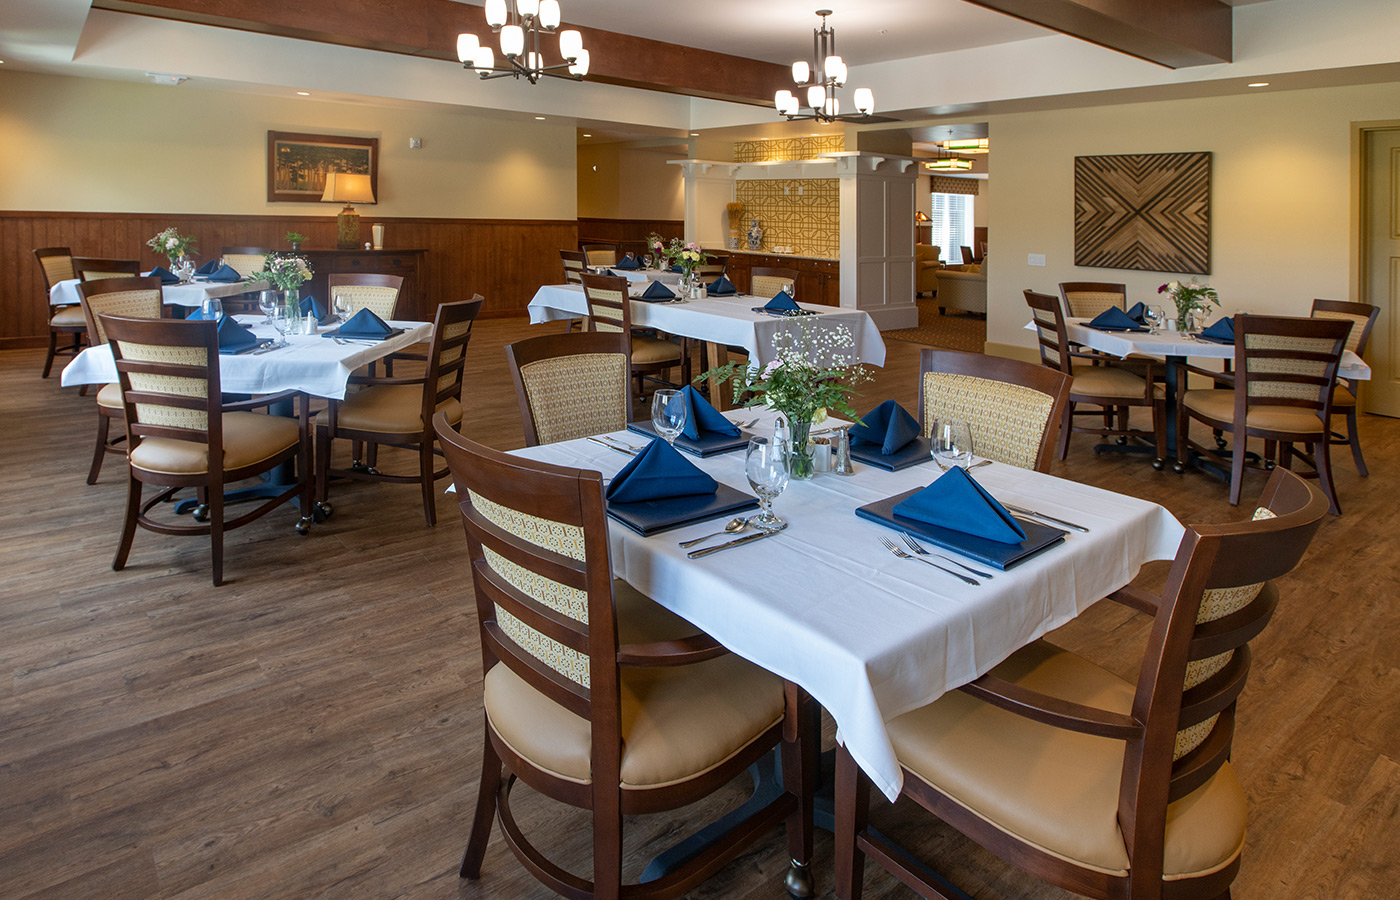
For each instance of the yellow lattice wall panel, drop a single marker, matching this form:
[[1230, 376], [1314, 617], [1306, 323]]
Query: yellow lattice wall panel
[[788, 148], [809, 222]]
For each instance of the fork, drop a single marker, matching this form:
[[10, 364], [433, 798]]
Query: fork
[[915, 546], [893, 548]]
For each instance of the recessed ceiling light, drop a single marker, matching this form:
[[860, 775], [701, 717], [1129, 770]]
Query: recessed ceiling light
[[588, 135], [1258, 84], [539, 118], [303, 93], [695, 134]]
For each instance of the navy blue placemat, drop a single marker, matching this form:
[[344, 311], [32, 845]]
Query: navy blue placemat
[[994, 553], [655, 516], [917, 451], [708, 445]]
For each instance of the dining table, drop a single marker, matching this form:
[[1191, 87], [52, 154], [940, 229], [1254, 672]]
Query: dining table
[[187, 293]]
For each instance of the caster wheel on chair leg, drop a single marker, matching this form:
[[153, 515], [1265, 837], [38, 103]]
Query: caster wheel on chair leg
[[201, 513], [322, 511], [1178, 468], [1122, 442], [799, 881], [1157, 464], [304, 525]]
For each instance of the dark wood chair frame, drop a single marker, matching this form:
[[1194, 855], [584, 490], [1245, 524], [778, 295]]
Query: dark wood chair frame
[[552, 346], [1051, 382], [1210, 556], [1320, 459], [92, 268], [246, 251], [1370, 314], [782, 272], [1098, 287], [1060, 354], [640, 371], [197, 334], [77, 332], [575, 497], [441, 381], [967, 256], [574, 272], [585, 246]]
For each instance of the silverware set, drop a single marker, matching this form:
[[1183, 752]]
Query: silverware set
[[897, 551], [614, 444]]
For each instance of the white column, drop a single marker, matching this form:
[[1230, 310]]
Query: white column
[[877, 237], [709, 186]]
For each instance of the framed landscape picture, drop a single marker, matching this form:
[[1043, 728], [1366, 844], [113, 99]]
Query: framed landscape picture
[[297, 164]]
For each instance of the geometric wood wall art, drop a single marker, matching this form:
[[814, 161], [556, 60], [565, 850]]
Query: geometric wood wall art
[[1147, 211]]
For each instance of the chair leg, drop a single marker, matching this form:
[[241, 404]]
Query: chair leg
[[98, 452], [1237, 468], [485, 811], [133, 509], [852, 815], [48, 360], [216, 531], [1322, 455], [425, 475], [1355, 441], [801, 735], [1066, 425], [323, 463], [1159, 431], [607, 843]]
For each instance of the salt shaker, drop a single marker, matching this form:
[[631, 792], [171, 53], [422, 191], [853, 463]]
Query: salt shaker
[[841, 453], [308, 324]]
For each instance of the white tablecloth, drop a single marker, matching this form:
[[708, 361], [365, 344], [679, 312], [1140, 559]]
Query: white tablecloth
[[310, 363], [638, 276], [191, 294], [868, 635], [730, 321]]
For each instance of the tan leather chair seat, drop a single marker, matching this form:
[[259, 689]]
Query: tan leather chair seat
[[68, 317], [392, 408], [1055, 788], [1108, 381], [110, 396], [677, 721], [1220, 405], [248, 438], [1342, 397], [650, 350]]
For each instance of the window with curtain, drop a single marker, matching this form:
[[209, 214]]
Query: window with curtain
[[951, 217]]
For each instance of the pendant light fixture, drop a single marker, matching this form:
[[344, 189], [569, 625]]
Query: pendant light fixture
[[818, 82], [520, 24]]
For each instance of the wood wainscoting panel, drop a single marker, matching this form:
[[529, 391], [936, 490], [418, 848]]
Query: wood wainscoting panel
[[503, 260], [629, 234]]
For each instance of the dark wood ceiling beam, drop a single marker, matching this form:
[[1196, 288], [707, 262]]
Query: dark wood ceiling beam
[[1174, 33], [429, 28]]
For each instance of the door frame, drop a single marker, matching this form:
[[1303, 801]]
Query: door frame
[[1360, 208]]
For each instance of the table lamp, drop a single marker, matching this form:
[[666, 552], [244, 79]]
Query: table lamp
[[342, 187]]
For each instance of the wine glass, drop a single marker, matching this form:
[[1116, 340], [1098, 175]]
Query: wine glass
[[281, 323], [647, 260], [668, 414], [267, 302], [1156, 317], [212, 309], [952, 443], [766, 464], [791, 289], [341, 304]]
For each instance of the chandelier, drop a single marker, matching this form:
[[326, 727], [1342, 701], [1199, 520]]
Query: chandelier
[[520, 27], [821, 78]]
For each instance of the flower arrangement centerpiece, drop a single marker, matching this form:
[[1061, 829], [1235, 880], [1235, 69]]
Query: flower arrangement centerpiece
[[686, 254], [1189, 297], [287, 273], [175, 247], [815, 371]]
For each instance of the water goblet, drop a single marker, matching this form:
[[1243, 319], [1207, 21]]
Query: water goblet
[[341, 304], [952, 443], [668, 414], [212, 309], [281, 323], [647, 260], [1156, 317], [267, 302], [766, 465], [791, 289]]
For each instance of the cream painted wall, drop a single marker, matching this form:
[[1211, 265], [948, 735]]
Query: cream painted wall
[[80, 144], [620, 182], [1281, 195]]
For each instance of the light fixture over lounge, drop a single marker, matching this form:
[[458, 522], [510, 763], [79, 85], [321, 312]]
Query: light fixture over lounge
[[520, 23], [948, 164], [819, 80]]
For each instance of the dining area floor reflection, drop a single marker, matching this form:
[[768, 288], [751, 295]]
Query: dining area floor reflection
[[312, 727]]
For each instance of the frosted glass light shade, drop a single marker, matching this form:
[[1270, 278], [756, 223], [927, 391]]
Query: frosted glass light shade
[[800, 72], [865, 100], [495, 13], [792, 106], [549, 14], [534, 61], [512, 40], [835, 68], [833, 107], [527, 7], [780, 100], [467, 45], [580, 66], [570, 43], [485, 58], [816, 95]]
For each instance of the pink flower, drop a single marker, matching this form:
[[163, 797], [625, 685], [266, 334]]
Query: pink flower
[[1163, 289]]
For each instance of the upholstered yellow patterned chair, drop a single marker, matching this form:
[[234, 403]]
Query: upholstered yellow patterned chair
[[1012, 407], [398, 412], [599, 253], [133, 297], [571, 385], [92, 268], [245, 261], [1086, 299], [575, 265], [180, 435], [766, 281], [377, 293], [1362, 317], [597, 697], [56, 263], [609, 309], [1111, 788]]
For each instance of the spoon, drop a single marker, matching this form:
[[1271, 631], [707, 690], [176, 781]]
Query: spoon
[[734, 526]]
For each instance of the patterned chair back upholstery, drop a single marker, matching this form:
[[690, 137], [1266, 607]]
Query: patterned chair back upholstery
[[1051, 336], [1362, 317], [57, 265], [377, 293], [1012, 407], [599, 253], [575, 265], [169, 375], [91, 268], [570, 385], [1086, 299], [1286, 361], [766, 281], [245, 260], [716, 267], [138, 298], [609, 308]]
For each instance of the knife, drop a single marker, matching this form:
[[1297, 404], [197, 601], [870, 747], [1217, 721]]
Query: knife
[[1040, 515], [746, 539], [618, 447]]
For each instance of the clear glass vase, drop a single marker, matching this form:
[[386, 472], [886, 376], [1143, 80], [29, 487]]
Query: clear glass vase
[[800, 463], [291, 302]]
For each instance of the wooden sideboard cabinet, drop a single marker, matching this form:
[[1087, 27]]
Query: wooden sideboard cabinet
[[413, 298], [818, 280]]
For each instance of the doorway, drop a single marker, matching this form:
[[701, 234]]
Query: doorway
[[1380, 262]]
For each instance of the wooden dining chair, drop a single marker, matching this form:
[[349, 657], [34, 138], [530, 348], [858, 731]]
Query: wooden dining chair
[[131, 297], [1086, 299], [968, 257], [597, 697], [398, 412], [1109, 788], [571, 385], [92, 268], [575, 265], [610, 309], [1285, 374], [180, 434], [361, 290], [1012, 407], [246, 261], [1098, 382], [717, 266], [56, 264], [599, 253], [1362, 317], [766, 281]]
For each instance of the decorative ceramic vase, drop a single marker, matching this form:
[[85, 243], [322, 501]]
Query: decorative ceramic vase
[[733, 243], [755, 235]]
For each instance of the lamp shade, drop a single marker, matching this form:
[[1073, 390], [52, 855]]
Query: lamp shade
[[800, 72], [512, 40], [343, 187], [549, 14], [466, 47], [780, 99], [534, 61], [485, 58], [579, 66], [570, 43], [495, 13], [527, 7], [865, 100], [816, 96]]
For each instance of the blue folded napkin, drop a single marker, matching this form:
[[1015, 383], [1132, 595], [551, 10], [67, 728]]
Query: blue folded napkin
[[1138, 313], [234, 337], [317, 309], [700, 416], [1114, 319], [208, 268], [782, 303], [722, 286], [1221, 332], [677, 269], [658, 291], [656, 473], [198, 314], [165, 275], [888, 425], [957, 502], [365, 324], [226, 274], [630, 263]]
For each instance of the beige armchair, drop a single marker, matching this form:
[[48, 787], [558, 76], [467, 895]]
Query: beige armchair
[[964, 288], [926, 266]]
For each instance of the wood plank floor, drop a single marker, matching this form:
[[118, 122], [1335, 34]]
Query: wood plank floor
[[312, 729]]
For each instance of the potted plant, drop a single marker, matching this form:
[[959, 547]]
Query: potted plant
[[295, 238]]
